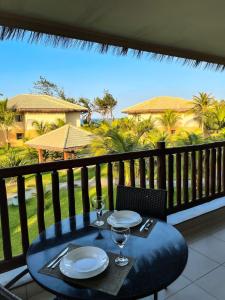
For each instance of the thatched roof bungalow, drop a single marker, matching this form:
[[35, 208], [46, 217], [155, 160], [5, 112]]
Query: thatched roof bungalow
[[43, 109], [159, 105], [156, 106], [42, 104]]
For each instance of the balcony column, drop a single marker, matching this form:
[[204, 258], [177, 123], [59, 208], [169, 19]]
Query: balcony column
[[40, 156]]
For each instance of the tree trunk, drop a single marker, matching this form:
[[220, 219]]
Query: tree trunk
[[5, 132], [7, 139]]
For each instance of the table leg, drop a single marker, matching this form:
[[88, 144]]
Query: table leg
[[156, 296]]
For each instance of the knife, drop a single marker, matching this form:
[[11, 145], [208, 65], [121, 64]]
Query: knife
[[149, 225], [143, 226], [60, 254]]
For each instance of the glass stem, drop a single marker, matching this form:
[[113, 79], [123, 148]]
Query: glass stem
[[121, 254], [98, 215]]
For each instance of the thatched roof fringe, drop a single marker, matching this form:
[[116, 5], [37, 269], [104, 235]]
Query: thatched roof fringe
[[9, 33], [45, 110]]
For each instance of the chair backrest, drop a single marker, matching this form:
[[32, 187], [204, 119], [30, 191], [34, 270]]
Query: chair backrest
[[7, 295], [148, 202]]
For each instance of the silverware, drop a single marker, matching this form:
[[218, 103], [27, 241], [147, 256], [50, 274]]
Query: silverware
[[148, 225], [58, 261], [143, 226], [58, 257]]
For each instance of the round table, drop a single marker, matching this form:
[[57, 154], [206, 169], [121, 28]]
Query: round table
[[159, 259]]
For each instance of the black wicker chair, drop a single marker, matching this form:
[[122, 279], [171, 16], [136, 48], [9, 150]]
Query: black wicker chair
[[7, 295], [148, 202]]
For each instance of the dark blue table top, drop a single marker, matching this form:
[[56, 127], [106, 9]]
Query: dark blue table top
[[159, 259]]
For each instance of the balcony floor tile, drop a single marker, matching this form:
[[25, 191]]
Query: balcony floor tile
[[198, 265], [192, 292], [178, 285], [211, 247], [42, 296], [213, 283], [21, 292]]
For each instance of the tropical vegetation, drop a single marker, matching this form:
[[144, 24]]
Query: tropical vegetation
[[102, 105], [7, 119], [169, 120]]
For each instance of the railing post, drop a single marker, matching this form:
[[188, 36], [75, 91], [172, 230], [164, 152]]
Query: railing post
[[161, 166]]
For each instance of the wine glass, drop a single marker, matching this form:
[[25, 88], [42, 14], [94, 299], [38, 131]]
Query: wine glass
[[120, 236], [98, 204]]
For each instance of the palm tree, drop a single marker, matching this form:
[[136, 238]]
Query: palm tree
[[41, 127], [57, 124], [189, 138], [90, 107], [7, 119], [215, 118], [169, 120], [12, 160], [105, 105], [116, 141], [144, 126], [101, 107], [202, 103]]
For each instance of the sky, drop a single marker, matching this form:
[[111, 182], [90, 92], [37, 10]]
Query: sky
[[87, 73]]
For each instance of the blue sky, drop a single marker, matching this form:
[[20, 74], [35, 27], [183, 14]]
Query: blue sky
[[85, 73]]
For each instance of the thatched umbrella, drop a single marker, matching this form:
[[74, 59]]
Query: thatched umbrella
[[66, 139]]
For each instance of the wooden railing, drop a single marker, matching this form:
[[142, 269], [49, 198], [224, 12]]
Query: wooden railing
[[192, 175]]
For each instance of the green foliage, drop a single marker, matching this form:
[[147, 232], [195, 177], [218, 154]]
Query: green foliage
[[169, 120], [202, 104], [7, 119], [57, 124], [188, 138], [41, 127], [45, 87], [12, 159], [122, 135], [105, 105], [215, 117], [90, 107], [44, 127]]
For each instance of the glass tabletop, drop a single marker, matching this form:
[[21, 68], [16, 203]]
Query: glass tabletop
[[159, 259]]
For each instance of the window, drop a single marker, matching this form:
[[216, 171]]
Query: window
[[19, 136], [19, 118]]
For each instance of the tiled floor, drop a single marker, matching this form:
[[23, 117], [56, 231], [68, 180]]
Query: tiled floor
[[203, 278]]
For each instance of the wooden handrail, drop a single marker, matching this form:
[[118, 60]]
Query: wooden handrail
[[90, 161], [75, 163]]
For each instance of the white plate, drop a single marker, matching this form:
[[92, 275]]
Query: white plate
[[124, 218], [84, 262]]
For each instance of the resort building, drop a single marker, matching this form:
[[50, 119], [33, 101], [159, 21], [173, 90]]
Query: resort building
[[40, 108], [156, 106]]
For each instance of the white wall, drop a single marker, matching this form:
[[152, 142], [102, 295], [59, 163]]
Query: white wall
[[73, 118]]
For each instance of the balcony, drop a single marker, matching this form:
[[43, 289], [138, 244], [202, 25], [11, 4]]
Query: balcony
[[194, 177]]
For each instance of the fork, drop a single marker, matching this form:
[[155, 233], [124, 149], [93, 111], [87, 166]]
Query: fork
[[148, 225], [58, 261], [52, 263]]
